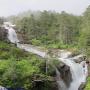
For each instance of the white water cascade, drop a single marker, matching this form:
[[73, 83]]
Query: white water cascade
[[79, 71], [12, 36]]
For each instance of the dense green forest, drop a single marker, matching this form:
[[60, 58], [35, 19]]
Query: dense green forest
[[55, 30], [48, 29]]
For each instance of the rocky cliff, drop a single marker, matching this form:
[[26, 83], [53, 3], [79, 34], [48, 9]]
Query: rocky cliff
[[3, 34]]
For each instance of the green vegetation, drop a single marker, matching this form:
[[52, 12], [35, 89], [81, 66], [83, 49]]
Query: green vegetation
[[50, 29], [88, 84], [56, 30], [19, 68]]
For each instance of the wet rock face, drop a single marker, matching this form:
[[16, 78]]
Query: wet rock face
[[82, 86], [65, 74], [80, 59], [3, 34]]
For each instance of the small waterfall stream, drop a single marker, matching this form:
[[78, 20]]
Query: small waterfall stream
[[79, 71]]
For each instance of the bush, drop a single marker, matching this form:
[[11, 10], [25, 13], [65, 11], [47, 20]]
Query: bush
[[36, 42], [88, 84]]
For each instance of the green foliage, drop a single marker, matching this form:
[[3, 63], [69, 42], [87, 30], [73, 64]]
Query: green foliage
[[36, 42], [56, 30], [88, 84], [19, 68], [7, 51], [84, 40], [50, 28], [14, 72]]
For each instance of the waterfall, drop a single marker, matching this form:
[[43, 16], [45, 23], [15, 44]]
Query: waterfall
[[79, 71], [12, 36]]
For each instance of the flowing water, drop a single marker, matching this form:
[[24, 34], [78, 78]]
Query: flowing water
[[12, 36], [79, 71], [2, 88], [32, 49]]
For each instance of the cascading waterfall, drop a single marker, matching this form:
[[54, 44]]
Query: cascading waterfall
[[12, 36], [79, 71]]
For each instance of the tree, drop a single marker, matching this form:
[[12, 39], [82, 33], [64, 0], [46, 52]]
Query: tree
[[85, 32]]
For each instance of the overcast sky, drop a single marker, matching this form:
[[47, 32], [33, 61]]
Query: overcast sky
[[13, 7]]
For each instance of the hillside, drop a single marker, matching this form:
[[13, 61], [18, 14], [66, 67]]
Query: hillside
[[22, 67]]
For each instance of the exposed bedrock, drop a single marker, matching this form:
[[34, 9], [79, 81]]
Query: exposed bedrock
[[65, 74]]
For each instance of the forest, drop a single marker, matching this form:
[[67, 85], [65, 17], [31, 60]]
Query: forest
[[55, 30], [47, 29]]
